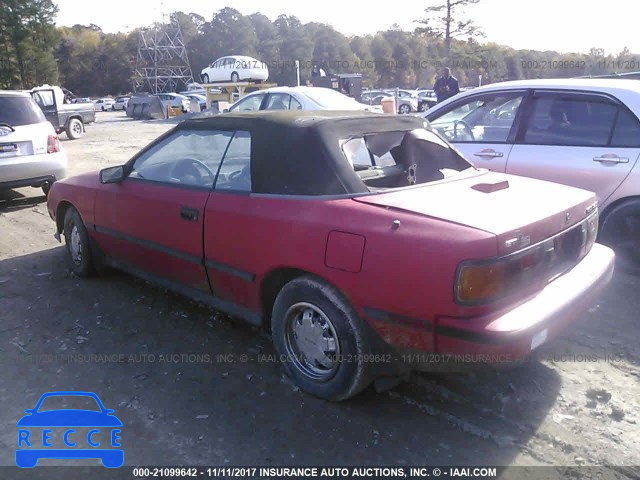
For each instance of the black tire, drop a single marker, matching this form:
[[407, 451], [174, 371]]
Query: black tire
[[235, 78], [348, 374], [404, 109], [620, 230], [46, 187], [423, 107], [205, 78], [77, 243], [74, 129]]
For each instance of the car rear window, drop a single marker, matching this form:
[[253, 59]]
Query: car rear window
[[17, 111], [403, 158]]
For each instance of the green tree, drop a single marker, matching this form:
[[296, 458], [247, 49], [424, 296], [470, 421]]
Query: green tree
[[27, 40], [443, 21]]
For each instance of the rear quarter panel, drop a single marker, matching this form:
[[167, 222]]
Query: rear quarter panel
[[407, 270]]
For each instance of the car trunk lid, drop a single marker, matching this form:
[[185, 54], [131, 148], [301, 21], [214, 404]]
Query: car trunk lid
[[519, 211]]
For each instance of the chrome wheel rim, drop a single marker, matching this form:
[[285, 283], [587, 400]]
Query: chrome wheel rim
[[311, 341], [75, 127], [75, 245]]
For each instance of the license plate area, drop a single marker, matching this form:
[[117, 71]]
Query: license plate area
[[9, 149]]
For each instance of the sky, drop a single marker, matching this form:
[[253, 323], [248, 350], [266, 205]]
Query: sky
[[561, 25]]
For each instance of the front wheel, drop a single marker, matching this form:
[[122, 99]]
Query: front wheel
[[74, 129], [404, 109], [235, 78], [621, 231], [205, 78], [77, 242], [320, 340]]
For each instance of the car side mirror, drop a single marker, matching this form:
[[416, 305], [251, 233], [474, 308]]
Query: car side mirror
[[226, 110], [29, 410], [112, 174]]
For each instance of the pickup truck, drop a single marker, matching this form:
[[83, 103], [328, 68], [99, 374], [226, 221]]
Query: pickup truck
[[67, 117]]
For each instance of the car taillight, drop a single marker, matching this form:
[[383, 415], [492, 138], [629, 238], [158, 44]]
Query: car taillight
[[53, 144], [483, 281], [479, 282]]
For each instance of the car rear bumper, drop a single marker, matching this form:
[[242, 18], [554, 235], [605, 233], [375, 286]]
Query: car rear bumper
[[511, 335], [25, 171]]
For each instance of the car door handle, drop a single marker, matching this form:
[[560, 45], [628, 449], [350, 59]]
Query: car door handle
[[190, 214], [489, 153], [611, 158]]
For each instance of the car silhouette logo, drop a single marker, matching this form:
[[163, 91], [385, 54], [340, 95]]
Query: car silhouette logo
[[38, 439]]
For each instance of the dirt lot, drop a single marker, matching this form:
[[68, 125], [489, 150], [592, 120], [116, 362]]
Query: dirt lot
[[158, 361]]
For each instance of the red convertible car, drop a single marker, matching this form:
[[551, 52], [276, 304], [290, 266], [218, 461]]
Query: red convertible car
[[363, 241]]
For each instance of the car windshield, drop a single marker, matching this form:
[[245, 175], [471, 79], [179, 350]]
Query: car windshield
[[402, 158], [327, 98], [69, 402], [18, 110]]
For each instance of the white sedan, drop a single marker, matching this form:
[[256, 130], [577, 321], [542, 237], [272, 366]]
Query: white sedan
[[104, 104], [298, 98], [235, 69]]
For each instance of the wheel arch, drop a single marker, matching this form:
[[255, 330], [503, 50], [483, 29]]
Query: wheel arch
[[613, 206], [61, 211], [275, 280], [74, 117]]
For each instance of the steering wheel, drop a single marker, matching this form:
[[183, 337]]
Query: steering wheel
[[465, 127], [190, 166]]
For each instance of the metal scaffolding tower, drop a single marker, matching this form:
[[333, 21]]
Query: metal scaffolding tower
[[162, 64]]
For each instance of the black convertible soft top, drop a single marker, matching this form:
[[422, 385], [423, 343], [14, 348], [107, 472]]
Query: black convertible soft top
[[298, 152]]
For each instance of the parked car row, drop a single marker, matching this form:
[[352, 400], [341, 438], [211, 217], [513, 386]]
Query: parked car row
[[408, 101]]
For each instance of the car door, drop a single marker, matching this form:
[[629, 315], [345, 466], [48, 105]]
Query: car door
[[230, 226], [482, 127], [152, 221], [46, 100], [587, 140]]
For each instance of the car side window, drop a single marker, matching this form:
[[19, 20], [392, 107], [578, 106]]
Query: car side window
[[482, 119], [626, 132], [294, 104], [278, 101], [44, 98], [570, 120], [249, 104], [187, 157], [235, 173]]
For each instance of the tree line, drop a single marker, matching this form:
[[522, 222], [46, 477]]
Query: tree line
[[88, 61]]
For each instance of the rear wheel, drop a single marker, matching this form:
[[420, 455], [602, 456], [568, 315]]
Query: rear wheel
[[404, 109], [77, 242], [74, 129], [621, 231], [320, 339]]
